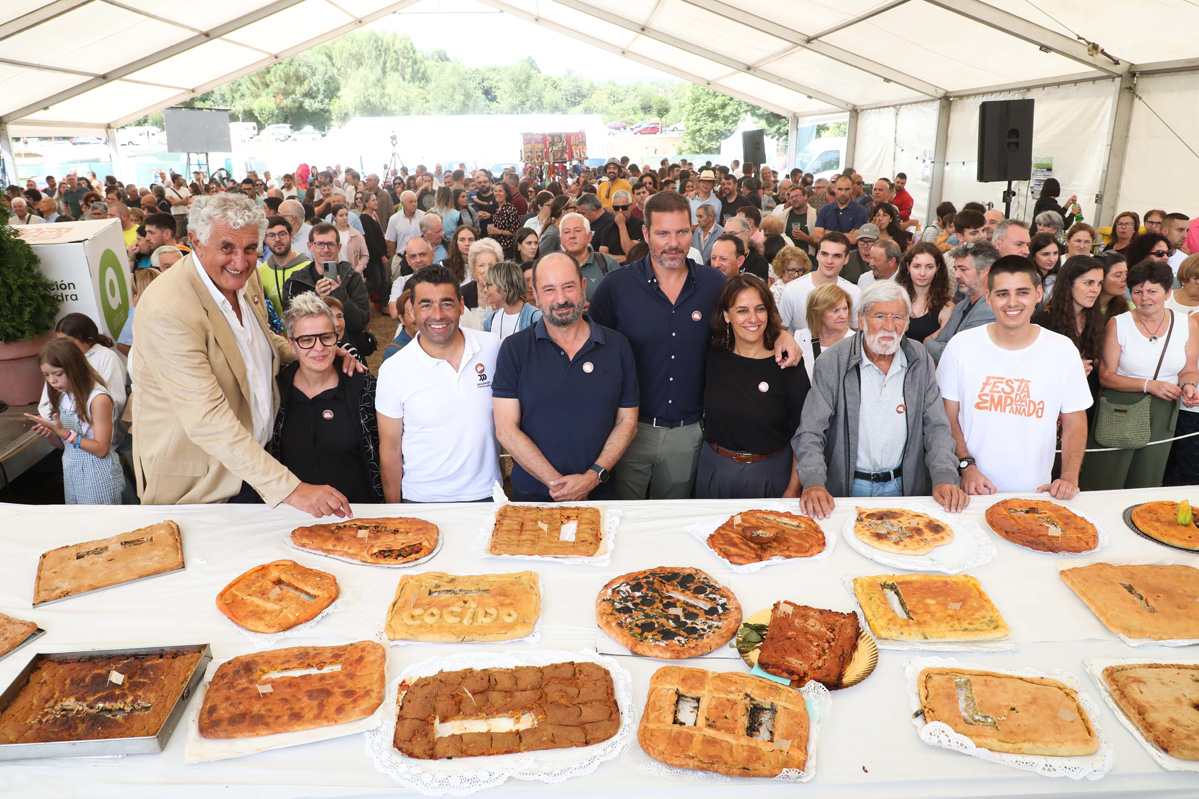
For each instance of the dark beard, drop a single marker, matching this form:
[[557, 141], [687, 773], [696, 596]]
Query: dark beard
[[576, 314]]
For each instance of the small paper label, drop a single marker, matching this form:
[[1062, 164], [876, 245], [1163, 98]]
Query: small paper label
[[116, 677], [265, 689], [1067, 715], [1054, 530], [274, 594], [737, 520], [544, 527], [568, 531], [363, 533], [783, 743], [955, 606]]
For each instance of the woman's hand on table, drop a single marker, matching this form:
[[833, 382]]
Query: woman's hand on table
[[1059, 489], [817, 502], [950, 497]]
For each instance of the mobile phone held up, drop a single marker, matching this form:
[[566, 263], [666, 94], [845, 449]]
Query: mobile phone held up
[[329, 270]]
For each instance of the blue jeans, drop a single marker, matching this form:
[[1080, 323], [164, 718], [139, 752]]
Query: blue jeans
[[865, 488]]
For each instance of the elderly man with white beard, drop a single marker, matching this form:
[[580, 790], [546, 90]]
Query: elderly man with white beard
[[873, 424]]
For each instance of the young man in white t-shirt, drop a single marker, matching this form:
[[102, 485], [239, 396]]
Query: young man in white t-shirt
[[831, 258], [1004, 386], [433, 403]]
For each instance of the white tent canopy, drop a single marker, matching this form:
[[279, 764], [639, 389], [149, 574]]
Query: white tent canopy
[[70, 65]]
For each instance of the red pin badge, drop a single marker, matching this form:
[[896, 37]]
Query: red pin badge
[[255, 299], [479, 368], [328, 415], [588, 368], [696, 316], [900, 408], [763, 386]]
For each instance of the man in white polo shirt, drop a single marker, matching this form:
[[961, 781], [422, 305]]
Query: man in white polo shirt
[[831, 257], [436, 428]]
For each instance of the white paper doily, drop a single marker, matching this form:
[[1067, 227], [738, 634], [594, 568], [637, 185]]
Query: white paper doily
[[971, 546], [940, 734], [1177, 560], [708, 525], [1101, 533], [1005, 644], [462, 776], [440, 542], [346, 600], [602, 558], [198, 749], [531, 638], [1095, 667], [819, 704]]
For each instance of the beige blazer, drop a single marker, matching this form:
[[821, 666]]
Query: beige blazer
[[193, 429]]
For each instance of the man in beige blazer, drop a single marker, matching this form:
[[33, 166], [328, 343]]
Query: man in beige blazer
[[204, 368]]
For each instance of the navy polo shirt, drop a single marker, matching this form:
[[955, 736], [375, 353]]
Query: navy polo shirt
[[670, 341], [567, 406], [842, 220]]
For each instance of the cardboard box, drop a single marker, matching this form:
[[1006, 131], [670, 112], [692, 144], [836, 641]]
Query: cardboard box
[[88, 263]]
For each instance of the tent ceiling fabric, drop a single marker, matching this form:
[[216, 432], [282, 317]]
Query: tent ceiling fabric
[[96, 63]]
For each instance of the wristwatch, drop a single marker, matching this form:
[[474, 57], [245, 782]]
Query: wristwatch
[[964, 463], [602, 473]]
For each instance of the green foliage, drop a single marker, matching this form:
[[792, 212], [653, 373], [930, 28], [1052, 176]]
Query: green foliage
[[377, 73], [28, 303], [833, 130]]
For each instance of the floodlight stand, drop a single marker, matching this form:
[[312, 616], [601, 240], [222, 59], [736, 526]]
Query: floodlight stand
[[1008, 196], [395, 163]]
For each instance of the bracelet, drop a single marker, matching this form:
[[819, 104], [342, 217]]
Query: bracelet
[[1145, 388], [78, 440], [1189, 383], [67, 437]]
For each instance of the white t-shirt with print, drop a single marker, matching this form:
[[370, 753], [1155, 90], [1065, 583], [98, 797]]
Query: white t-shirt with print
[[1009, 402]]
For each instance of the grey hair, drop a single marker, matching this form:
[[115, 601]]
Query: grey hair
[[890, 247], [622, 195], [426, 221], [586, 224], [1047, 218], [742, 223], [1003, 227], [707, 208], [103, 206], [883, 291], [482, 245], [306, 306], [981, 253], [156, 256], [19, 201], [236, 210], [589, 201]]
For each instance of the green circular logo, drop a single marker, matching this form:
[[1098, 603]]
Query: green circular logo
[[114, 292]]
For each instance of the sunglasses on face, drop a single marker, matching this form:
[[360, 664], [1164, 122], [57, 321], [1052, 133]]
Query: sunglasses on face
[[620, 209], [1160, 253]]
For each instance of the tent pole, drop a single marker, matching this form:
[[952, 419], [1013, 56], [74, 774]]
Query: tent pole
[[851, 137], [937, 183], [117, 171], [1113, 170], [792, 140], [7, 159]]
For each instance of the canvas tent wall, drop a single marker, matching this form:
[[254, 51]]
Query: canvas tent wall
[[73, 65]]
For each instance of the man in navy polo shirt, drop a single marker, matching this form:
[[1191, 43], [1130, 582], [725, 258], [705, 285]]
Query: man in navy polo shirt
[[663, 304], [565, 394], [844, 215]]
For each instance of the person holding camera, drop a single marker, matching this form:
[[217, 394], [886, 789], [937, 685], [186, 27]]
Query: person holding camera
[[326, 276]]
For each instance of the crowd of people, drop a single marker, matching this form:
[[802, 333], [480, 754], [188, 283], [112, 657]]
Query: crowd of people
[[633, 332]]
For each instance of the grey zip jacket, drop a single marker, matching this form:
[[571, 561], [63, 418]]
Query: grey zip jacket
[[826, 443]]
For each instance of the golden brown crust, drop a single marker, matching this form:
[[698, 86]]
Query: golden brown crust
[[1005, 713], [13, 633], [1159, 520], [78, 699], [236, 706], [668, 612], [386, 542], [528, 530], [436, 606], [1042, 525], [80, 568], [1162, 700], [729, 707], [1141, 601], [939, 607], [756, 535], [277, 596], [804, 643], [483, 712], [904, 532]]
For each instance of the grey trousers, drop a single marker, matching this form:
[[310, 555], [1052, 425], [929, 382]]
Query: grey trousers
[[660, 463]]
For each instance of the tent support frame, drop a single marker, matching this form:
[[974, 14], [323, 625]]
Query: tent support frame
[[940, 147], [1113, 170]]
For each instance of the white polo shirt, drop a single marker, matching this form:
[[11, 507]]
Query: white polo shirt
[[793, 305], [449, 446]]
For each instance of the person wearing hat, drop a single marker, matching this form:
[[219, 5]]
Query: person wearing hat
[[704, 195], [613, 184], [859, 260]]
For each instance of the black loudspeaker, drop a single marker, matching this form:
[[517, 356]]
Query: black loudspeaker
[[1005, 140], [753, 147]]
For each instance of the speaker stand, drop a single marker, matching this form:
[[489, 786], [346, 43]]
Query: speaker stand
[[1008, 196]]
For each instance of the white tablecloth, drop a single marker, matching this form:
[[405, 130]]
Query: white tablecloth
[[870, 747]]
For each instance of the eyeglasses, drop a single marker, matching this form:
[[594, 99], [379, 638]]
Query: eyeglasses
[[794, 271], [276, 236], [900, 318], [325, 245], [308, 342], [620, 209], [1123, 224]]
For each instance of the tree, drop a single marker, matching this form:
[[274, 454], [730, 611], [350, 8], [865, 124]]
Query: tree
[[710, 117]]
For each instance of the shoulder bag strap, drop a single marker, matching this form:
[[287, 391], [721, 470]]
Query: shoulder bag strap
[[1165, 346]]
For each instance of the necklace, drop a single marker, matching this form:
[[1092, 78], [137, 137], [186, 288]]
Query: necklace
[[1158, 329]]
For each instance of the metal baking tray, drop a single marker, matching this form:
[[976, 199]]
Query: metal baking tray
[[33, 636], [1132, 526], [49, 602], [105, 746]]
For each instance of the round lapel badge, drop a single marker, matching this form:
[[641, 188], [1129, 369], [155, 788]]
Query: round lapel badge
[[696, 316], [900, 408], [588, 367], [327, 415], [763, 386], [255, 298], [479, 368]]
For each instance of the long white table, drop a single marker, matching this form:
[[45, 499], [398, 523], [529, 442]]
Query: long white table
[[871, 747]]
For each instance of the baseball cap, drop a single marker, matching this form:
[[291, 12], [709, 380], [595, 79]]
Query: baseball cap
[[868, 231]]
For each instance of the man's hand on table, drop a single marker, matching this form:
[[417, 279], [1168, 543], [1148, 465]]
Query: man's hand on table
[[320, 501], [975, 482], [817, 502], [573, 487], [950, 497], [1060, 489]]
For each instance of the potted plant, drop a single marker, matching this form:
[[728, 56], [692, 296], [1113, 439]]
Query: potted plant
[[28, 308]]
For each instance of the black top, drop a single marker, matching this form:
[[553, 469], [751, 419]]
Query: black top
[[756, 264], [376, 243], [611, 235], [729, 208], [470, 294], [740, 415], [319, 443], [921, 327]]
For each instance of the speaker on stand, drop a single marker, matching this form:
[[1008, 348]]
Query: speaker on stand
[[753, 147], [1005, 144]]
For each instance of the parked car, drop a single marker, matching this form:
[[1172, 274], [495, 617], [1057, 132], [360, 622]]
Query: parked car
[[88, 140], [307, 133], [275, 133], [615, 126], [677, 127], [647, 128]]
